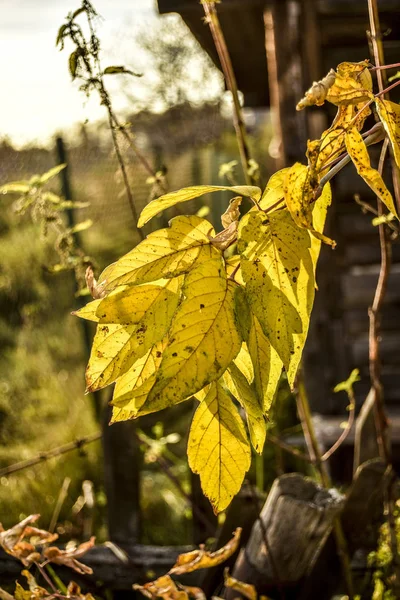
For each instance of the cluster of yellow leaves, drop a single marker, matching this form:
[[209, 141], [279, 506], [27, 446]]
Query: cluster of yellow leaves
[[168, 589], [30, 545], [176, 318], [350, 89]]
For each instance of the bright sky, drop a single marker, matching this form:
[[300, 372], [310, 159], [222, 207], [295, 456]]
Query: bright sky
[[37, 95]]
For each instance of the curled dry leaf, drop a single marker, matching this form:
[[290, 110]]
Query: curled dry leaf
[[163, 587], [203, 559], [96, 291], [246, 589], [68, 557], [230, 222], [74, 591], [317, 92], [21, 540]]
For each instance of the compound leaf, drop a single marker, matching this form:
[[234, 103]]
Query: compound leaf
[[218, 448], [156, 206], [359, 155]]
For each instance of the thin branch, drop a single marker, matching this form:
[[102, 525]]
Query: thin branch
[[346, 430], [288, 448], [44, 456], [226, 64]]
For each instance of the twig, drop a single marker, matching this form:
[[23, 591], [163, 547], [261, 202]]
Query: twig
[[44, 456], [226, 64], [304, 411], [288, 448], [380, 292], [60, 501], [346, 430]]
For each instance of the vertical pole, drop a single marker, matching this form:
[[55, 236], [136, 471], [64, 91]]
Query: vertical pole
[[66, 191], [284, 59]]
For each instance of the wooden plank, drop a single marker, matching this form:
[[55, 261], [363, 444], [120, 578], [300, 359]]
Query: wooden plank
[[141, 563]]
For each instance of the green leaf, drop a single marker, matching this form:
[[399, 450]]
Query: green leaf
[[359, 155], [82, 226], [218, 449], [60, 36], [156, 206], [279, 274], [16, 187], [117, 70], [51, 173], [239, 387], [203, 337], [131, 321], [347, 386], [73, 62], [163, 254]]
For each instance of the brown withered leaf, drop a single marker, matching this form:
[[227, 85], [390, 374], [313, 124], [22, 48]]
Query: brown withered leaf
[[246, 589], [316, 94], [230, 223], [225, 238], [163, 587], [193, 592], [21, 540], [232, 213], [96, 291], [203, 559], [74, 592], [69, 556]]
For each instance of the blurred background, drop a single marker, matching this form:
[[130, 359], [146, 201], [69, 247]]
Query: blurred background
[[180, 117]]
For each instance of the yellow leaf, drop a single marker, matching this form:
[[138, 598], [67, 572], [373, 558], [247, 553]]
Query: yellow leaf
[[244, 364], [239, 387], [218, 449], [156, 206], [163, 587], [389, 114], [352, 85], [246, 589], [129, 392], [265, 360], [332, 142], [279, 274], [267, 364], [319, 213], [203, 338], [233, 268], [273, 191], [299, 196], [88, 311], [203, 559], [359, 155], [131, 322], [165, 253]]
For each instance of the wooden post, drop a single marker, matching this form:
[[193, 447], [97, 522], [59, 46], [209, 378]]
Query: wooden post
[[296, 519], [122, 466], [66, 191], [283, 35]]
